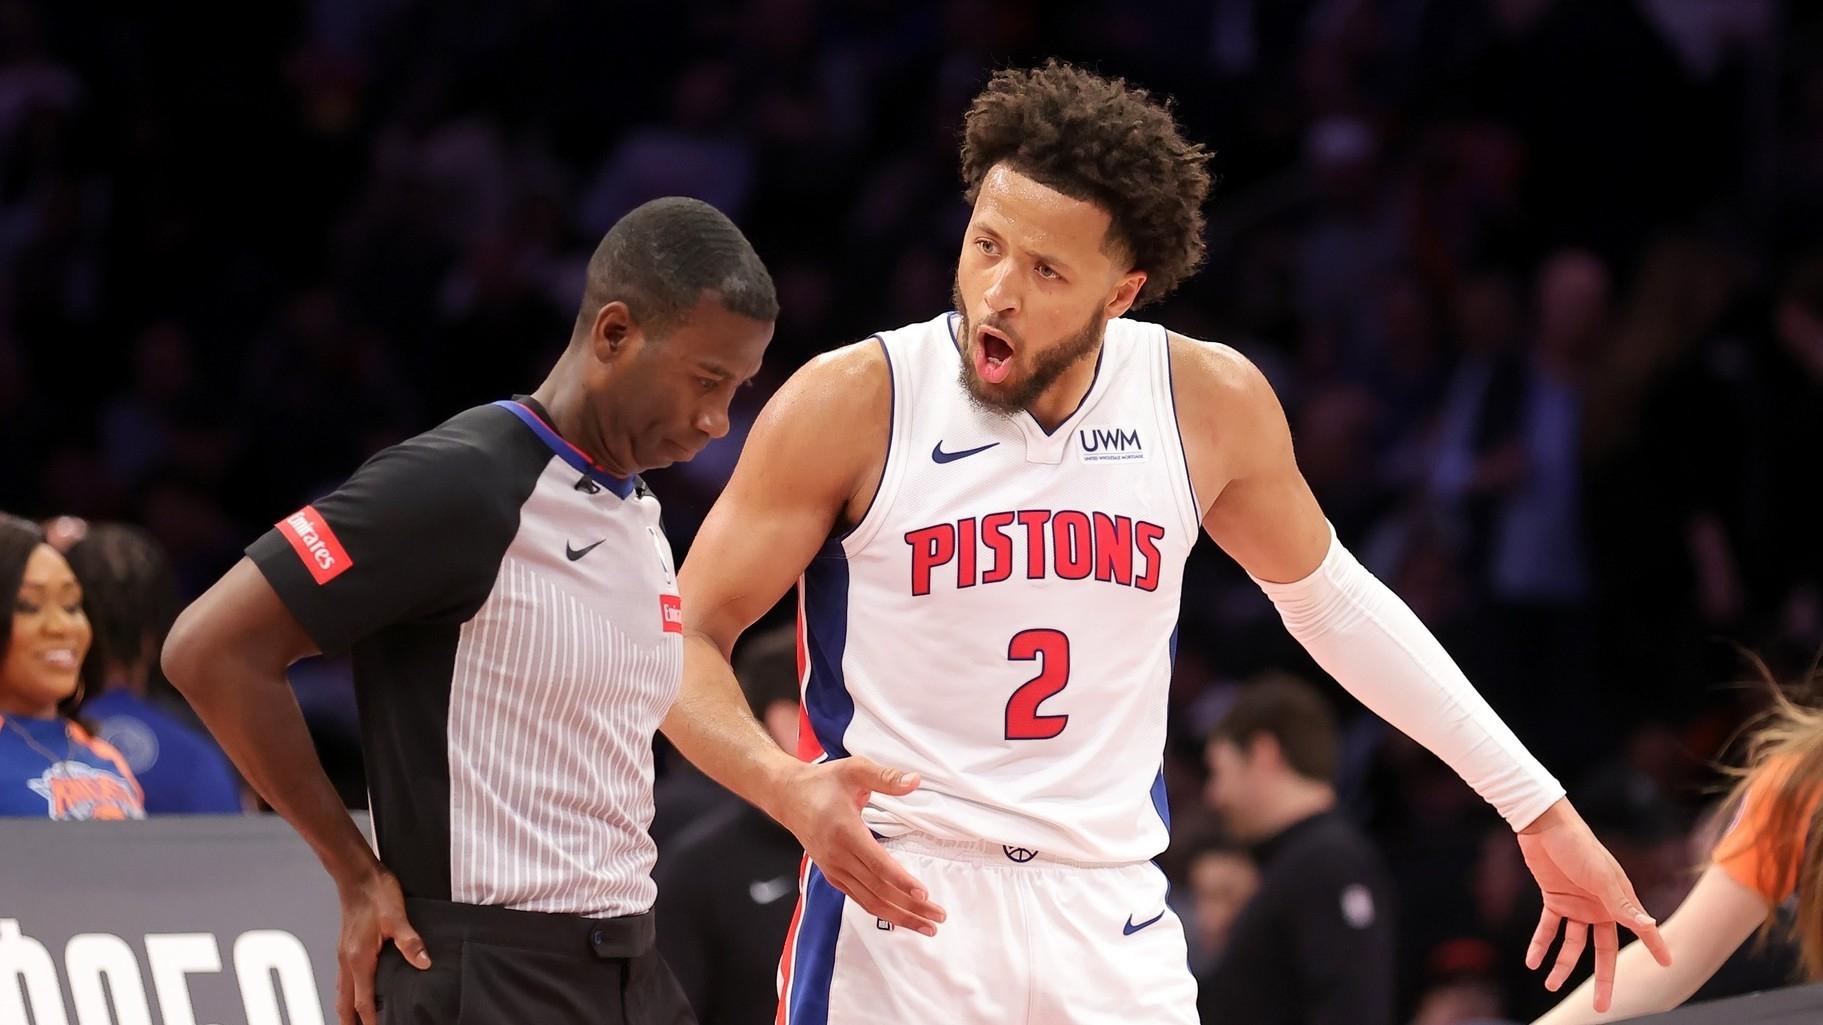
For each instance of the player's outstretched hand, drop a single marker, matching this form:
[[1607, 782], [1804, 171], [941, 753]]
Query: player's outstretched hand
[[823, 809], [1583, 888], [373, 913]]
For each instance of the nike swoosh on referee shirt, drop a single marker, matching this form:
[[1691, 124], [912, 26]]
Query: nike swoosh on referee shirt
[[577, 553]]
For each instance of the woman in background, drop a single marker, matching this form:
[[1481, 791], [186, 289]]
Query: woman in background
[[1773, 852], [50, 767], [131, 598]]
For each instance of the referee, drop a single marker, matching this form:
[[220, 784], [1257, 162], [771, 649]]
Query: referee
[[506, 591]]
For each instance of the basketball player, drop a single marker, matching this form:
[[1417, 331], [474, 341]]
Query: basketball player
[[989, 513]]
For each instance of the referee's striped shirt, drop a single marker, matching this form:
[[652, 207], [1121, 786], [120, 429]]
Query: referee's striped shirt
[[513, 618]]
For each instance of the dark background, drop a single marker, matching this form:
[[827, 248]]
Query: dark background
[[1532, 278]]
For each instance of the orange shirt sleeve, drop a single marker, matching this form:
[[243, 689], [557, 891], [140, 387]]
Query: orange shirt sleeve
[[1750, 853]]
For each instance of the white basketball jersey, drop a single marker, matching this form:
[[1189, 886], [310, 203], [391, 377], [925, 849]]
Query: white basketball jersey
[[1003, 619]]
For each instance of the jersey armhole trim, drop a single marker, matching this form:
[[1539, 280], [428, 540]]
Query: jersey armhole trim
[[1183, 452], [868, 525]]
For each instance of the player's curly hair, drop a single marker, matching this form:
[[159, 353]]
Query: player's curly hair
[[1103, 141]]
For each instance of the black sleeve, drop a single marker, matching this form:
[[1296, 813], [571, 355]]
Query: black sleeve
[[416, 535], [1342, 933]]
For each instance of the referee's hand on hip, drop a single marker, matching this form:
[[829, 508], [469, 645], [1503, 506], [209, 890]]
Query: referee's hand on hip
[[823, 810], [373, 912]]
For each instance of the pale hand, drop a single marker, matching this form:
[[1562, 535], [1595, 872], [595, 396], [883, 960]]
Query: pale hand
[[821, 804], [1583, 888], [373, 913]]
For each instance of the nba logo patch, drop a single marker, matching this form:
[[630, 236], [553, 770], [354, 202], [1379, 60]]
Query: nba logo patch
[[671, 609]]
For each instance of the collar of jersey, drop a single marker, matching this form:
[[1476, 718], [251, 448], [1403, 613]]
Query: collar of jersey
[[622, 486]]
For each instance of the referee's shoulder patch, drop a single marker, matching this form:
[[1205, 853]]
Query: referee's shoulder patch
[[316, 544]]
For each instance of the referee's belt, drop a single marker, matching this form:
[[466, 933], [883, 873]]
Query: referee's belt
[[628, 936]]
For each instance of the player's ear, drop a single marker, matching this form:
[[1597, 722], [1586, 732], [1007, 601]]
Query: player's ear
[[1126, 290]]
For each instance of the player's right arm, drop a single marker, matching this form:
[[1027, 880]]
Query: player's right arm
[[810, 465]]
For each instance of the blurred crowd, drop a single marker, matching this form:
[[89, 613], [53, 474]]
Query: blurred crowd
[[1540, 283]]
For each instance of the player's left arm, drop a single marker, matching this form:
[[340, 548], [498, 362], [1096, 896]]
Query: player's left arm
[[1260, 510], [1712, 923]]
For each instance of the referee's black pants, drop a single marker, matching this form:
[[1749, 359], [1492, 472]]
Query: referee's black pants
[[491, 964]]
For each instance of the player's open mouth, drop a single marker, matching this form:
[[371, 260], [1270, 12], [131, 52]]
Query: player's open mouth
[[993, 355]]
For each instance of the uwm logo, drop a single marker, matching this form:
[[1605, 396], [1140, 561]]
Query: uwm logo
[[1109, 444]]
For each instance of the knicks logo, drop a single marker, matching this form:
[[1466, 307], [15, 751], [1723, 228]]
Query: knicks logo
[[80, 792], [1109, 444]]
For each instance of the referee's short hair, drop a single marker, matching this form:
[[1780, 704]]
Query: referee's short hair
[[1294, 715], [663, 256], [767, 667]]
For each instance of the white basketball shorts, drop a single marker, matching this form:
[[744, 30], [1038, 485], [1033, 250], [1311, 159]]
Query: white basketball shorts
[[1029, 941]]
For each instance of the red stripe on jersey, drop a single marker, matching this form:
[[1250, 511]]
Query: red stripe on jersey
[[809, 748], [317, 545], [788, 956]]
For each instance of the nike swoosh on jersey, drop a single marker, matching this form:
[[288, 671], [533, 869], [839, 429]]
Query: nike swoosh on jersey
[[577, 553], [765, 891], [1129, 929], [939, 456]]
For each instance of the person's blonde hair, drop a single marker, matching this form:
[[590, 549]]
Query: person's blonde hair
[[1784, 764]]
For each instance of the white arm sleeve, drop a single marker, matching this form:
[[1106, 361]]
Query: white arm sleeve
[[1359, 631]]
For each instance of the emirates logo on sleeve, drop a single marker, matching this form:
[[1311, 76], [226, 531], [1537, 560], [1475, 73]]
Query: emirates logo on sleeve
[[315, 544], [671, 607]]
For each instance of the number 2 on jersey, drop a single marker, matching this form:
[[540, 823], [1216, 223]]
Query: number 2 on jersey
[[1051, 649]]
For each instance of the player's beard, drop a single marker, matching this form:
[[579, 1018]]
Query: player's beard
[[1047, 366]]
